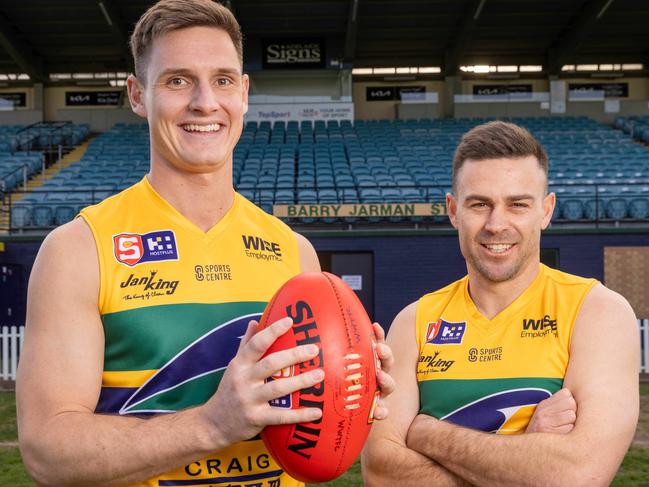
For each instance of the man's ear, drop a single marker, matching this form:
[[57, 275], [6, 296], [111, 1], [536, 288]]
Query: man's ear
[[549, 202], [451, 209], [136, 95], [246, 86]]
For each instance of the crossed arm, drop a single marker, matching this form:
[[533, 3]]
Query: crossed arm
[[602, 376]]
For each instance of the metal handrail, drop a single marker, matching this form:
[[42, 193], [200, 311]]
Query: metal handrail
[[3, 177]]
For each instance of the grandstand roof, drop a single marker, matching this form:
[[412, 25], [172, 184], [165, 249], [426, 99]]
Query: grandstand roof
[[45, 36]]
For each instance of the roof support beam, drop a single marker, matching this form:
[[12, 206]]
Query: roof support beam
[[20, 51], [120, 35], [575, 34], [463, 37], [352, 30]]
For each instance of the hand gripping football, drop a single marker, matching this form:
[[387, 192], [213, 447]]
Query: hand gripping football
[[326, 312]]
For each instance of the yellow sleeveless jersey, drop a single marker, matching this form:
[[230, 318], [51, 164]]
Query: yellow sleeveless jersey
[[174, 302], [490, 374]]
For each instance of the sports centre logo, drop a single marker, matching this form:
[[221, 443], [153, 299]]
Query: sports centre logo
[[445, 332], [132, 249]]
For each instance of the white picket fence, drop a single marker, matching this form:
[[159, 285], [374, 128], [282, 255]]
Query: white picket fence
[[11, 342]]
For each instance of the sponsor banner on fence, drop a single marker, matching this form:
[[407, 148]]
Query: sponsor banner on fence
[[359, 210], [299, 112]]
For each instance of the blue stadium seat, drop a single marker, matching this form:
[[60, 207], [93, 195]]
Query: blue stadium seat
[[20, 216], [639, 208], [42, 216], [572, 209], [616, 208], [64, 214]]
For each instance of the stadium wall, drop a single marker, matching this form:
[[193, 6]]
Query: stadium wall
[[406, 267], [99, 119], [635, 104], [408, 264], [21, 115], [332, 83]]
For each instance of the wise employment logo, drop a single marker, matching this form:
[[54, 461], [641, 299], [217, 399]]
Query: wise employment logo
[[134, 248], [445, 332]]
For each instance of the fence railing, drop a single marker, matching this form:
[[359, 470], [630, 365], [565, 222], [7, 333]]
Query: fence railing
[[11, 342]]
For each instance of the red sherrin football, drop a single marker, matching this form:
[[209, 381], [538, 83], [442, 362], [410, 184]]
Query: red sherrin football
[[326, 312]]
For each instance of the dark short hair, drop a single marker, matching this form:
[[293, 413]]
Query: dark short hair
[[497, 140], [169, 15]]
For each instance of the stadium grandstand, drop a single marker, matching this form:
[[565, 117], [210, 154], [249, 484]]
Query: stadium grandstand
[[355, 110]]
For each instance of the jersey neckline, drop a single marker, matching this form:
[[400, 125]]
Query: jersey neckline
[[486, 325], [178, 218]]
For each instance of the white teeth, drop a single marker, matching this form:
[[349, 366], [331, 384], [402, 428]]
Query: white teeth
[[214, 127], [499, 248]]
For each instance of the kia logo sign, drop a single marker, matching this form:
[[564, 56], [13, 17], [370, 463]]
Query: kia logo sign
[[388, 93], [92, 98]]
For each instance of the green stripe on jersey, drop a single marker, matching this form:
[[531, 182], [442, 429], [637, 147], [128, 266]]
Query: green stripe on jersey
[[189, 394], [441, 397], [147, 338]]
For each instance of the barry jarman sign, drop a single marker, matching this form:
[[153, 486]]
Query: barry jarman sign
[[359, 210]]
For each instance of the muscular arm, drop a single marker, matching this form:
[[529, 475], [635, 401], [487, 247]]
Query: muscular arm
[[603, 377], [386, 460], [308, 258], [63, 442]]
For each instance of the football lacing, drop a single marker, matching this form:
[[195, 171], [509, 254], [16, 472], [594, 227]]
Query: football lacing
[[354, 378]]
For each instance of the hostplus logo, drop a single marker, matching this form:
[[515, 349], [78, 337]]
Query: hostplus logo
[[258, 248], [132, 249], [539, 328]]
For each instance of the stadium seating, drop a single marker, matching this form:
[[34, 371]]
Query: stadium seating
[[598, 172]]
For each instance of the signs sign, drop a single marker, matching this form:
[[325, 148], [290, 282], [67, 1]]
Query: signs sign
[[294, 54]]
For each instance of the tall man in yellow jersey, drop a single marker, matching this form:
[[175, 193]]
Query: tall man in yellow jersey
[[546, 360], [136, 308]]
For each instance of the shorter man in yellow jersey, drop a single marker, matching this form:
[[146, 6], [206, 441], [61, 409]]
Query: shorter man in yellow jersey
[[136, 308], [547, 360]]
